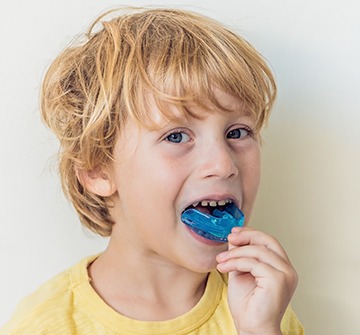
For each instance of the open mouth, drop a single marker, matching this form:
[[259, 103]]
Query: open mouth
[[213, 219], [208, 207]]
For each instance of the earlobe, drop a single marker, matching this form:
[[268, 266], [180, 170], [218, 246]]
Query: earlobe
[[96, 181]]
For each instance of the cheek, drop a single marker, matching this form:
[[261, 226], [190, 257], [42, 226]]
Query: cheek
[[250, 176], [155, 180], [256, 171], [250, 164]]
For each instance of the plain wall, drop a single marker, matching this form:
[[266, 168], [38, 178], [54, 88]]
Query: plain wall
[[310, 193]]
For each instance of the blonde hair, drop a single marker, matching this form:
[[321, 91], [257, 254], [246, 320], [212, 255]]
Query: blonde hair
[[172, 56]]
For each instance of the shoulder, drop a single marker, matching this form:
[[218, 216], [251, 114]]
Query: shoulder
[[51, 305]]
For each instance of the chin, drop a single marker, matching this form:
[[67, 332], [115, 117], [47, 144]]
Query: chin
[[203, 265]]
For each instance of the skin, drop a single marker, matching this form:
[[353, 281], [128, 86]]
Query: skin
[[152, 255]]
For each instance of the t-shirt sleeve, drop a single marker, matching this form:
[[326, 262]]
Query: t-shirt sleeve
[[290, 324]]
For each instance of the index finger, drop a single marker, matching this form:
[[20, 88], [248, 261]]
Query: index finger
[[249, 236]]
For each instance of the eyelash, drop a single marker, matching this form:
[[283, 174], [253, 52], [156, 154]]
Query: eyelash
[[240, 130], [177, 132]]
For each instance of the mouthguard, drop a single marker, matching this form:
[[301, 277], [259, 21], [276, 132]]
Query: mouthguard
[[216, 226]]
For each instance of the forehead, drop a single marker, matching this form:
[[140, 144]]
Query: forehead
[[162, 112]]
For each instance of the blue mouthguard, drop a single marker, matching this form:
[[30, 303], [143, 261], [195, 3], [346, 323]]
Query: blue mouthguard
[[216, 226]]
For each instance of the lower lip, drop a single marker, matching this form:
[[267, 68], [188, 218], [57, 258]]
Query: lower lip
[[203, 239]]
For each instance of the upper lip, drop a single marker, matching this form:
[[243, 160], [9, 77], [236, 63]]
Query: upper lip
[[213, 197]]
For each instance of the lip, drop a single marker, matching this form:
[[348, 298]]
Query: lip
[[209, 197], [214, 197], [203, 239]]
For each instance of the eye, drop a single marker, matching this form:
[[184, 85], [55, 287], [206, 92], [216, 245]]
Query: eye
[[238, 133], [178, 137]]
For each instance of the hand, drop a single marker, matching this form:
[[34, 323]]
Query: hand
[[261, 281]]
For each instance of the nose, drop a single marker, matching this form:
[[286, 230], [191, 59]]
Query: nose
[[218, 160]]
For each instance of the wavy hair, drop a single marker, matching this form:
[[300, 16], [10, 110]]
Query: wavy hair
[[109, 75]]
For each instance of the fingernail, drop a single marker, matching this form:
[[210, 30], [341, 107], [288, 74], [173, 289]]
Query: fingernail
[[236, 230]]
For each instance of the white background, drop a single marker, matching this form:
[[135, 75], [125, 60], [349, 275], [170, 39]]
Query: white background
[[310, 193]]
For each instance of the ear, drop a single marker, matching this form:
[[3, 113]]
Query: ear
[[96, 181]]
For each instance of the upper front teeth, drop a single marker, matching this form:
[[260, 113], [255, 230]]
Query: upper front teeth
[[212, 203]]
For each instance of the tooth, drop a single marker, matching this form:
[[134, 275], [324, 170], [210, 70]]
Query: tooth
[[195, 204], [213, 203], [222, 202], [204, 203]]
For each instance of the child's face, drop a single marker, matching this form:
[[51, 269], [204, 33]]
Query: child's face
[[158, 174]]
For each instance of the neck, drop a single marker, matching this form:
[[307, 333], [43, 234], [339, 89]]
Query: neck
[[144, 286]]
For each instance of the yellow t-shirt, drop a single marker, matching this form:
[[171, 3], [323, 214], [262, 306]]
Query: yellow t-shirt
[[68, 304]]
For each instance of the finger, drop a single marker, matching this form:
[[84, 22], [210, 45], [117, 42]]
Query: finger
[[248, 265], [264, 274], [258, 252], [248, 236]]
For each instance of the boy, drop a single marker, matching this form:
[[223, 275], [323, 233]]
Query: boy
[[157, 112]]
